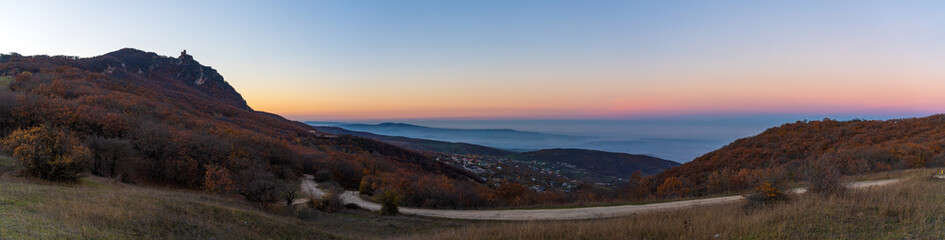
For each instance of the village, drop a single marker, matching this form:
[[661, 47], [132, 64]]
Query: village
[[536, 175]]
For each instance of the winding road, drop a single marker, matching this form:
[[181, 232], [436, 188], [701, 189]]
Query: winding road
[[309, 186]]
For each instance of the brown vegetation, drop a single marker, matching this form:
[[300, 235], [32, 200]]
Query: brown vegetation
[[148, 119], [849, 147], [907, 210], [48, 153]]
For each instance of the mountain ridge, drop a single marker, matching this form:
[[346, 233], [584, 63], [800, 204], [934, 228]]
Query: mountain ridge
[[186, 70]]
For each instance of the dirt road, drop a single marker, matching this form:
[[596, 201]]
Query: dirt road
[[566, 213], [309, 189]]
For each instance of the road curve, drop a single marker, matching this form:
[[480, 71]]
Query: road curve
[[309, 189], [568, 213]]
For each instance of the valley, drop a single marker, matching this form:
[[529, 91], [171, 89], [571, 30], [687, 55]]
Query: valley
[[549, 169]]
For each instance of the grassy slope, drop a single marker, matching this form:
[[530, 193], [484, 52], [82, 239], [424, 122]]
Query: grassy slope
[[100, 211], [96, 208], [907, 210]]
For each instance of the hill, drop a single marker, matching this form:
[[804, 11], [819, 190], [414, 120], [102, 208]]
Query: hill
[[155, 120], [852, 147], [620, 165]]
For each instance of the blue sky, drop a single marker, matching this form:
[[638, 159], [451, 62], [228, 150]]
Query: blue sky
[[337, 60]]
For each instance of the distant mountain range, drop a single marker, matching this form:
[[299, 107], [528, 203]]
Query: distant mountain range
[[680, 150], [422, 145], [497, 138], [619, 165]]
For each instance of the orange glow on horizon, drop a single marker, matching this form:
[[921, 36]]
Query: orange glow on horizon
[[868, 92]]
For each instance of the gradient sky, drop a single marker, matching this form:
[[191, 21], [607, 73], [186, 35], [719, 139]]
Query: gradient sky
[[343, 60]]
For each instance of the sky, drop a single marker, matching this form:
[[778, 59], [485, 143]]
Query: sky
[[360, 60]]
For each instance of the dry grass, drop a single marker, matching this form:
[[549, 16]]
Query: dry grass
[[100, 209], [911, 209], [97, 210]]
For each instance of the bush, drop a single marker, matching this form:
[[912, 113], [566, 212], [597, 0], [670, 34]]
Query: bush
[[313, 203], [823, 177], [389, 200], [765, 193], [48, 153], [767, 187], [330, 202], [672, 186], [367, 186], [259, 185], [217, 179]]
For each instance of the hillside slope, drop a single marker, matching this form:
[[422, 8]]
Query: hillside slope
[[855, 146], [36, 211], [172, 121]]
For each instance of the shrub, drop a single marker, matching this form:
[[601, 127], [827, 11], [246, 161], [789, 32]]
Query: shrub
[[217, 179], [48, 153], [367, 186], [672, 186], [718, 181], [823, 177], [331, 202], [259, 185], [389, 200], [767, 187], [313, 202], [765, 193]]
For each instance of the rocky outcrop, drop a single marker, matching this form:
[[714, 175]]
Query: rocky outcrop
[[183, 69]]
